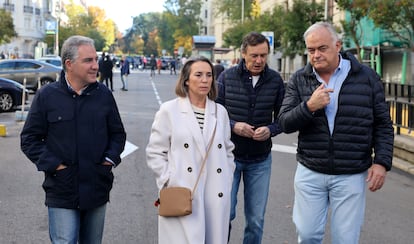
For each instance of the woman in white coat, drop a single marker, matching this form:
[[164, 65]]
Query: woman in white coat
[[179, 138]]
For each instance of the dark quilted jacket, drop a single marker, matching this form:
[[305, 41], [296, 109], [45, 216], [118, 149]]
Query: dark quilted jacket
[[362, 123], [256, 106]]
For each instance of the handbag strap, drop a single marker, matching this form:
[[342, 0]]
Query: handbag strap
[[205, 157]]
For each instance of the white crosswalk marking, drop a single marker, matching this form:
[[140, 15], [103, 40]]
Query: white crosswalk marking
[[283, 148], [129, 148]]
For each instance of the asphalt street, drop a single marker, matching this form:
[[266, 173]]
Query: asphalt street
[[131, 215]]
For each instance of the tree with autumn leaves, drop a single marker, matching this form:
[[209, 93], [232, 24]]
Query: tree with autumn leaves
[[91, 22]]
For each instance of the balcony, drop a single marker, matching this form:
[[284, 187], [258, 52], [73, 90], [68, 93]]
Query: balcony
[[28, 9], [8, 7]]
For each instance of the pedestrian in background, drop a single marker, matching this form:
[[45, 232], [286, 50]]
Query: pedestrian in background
[[74, 135], [108, 74], [159, 63], [173, 66], [180, 135], [252, 93], [101, 67], [153, 65], [218, 68], [124, 73], [345, 139]]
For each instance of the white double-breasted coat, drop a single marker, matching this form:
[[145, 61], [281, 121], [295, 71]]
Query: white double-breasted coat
[[175, 152]]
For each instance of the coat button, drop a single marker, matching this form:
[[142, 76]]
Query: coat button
[[59, 118], [219, 170], [185, 145], [220, 194], [219, 146], [189, 169]]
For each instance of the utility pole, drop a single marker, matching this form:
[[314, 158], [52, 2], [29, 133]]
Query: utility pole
[[58, 11]]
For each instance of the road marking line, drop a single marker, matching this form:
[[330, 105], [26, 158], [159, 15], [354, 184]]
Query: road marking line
[[155, 91], [283, 148], [129, 148]]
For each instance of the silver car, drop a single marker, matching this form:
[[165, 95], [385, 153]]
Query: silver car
[[33, 70], [52, 59]]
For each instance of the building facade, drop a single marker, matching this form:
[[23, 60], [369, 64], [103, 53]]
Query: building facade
[[33, 20]]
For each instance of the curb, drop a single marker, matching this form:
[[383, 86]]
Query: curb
[[403, 165]]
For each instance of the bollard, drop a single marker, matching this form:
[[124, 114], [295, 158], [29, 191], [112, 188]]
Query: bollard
[[21, 115], [3, 131]]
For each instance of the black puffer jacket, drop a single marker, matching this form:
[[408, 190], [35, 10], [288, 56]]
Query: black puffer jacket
[[362, 123], [256, 106]]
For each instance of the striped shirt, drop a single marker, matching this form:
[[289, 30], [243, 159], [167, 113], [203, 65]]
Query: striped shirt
[[199, 114]]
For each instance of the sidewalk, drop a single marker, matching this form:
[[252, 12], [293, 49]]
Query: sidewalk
[[404, 153]]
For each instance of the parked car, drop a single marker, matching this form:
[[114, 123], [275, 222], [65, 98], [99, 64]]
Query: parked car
[[11, 93], [52, 59], [32, 70]]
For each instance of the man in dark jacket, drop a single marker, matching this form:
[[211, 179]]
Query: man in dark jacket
[[252, 94], [338, 106], [74, 134], [107, 68], [218, 68]]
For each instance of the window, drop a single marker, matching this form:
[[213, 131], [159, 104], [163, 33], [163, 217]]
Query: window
[[6, 66], [27, 65]]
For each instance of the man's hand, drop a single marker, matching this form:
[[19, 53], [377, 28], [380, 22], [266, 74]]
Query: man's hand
[[107, 163], [376, 177], [61, 166], [261, 133], [243, 129], [319, 99]]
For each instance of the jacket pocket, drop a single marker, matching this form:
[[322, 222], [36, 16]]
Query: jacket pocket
[[105, 177], [61, 183]]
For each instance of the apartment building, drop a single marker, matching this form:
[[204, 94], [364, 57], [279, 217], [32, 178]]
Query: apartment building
[[33, 20]]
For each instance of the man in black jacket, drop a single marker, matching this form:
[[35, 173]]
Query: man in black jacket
[[338, 106], [74, 134], [252, 93]]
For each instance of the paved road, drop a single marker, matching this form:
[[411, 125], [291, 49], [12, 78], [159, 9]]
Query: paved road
[[131, 216]]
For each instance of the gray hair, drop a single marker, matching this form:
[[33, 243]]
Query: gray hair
[[327, 26], [71, 45]]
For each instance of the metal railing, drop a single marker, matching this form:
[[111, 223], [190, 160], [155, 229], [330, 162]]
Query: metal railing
[[400, 101]]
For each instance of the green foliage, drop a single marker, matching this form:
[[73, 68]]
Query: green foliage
[[288, 26], [166, 31], [268, 21], [357, 10], [234, 13], [396, 16], [144, 27], [296, 21], [185, 14], [6, 27], [92, 23]]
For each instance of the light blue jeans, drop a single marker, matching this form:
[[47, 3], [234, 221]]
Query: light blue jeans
[[256, 180], [68, 226], [315, 193]]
